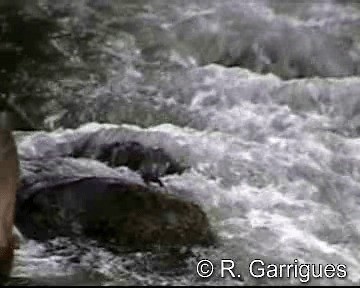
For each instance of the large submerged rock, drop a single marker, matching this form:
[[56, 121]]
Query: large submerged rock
[[95, 184]]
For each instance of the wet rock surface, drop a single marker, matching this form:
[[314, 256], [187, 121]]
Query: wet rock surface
[[116, 213], [64, 193], [151, 163]]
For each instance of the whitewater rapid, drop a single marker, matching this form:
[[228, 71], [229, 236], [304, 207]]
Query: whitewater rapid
[[262, 100]]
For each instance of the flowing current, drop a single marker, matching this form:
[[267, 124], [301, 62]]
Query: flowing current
[[262, 99]]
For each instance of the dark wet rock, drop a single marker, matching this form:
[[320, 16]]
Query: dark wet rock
[[64, 193], [112, 212], [152, 163]]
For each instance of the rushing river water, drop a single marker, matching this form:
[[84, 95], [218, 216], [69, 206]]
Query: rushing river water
[[262, 99]]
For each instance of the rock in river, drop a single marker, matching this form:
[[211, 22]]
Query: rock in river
[[74, 184]]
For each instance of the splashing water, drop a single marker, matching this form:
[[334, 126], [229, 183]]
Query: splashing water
[[261, 99]]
